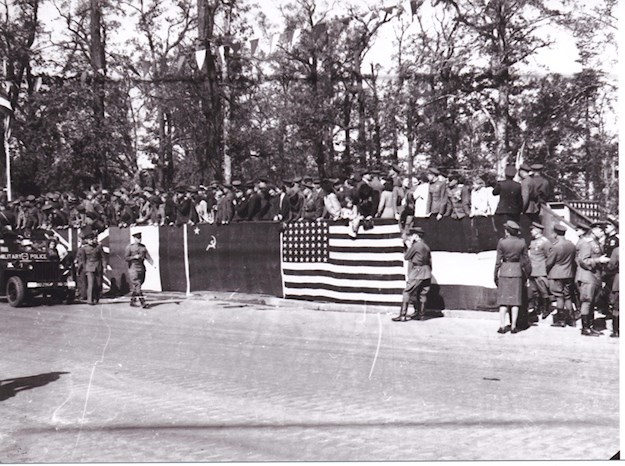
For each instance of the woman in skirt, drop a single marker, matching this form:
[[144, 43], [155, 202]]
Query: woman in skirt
[[511, 271]]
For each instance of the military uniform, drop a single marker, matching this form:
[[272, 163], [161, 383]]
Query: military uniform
[[135, 255], [588, 279], [539, 283], [511, 267], [91, 260], [560, 271], [418, 279]]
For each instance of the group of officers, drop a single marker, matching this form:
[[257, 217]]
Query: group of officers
[[91, 262], [576, 277]]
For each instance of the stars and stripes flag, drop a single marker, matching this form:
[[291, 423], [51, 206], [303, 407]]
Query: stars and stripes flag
[[321, 262]]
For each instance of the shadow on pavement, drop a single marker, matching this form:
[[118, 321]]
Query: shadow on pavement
[[10, 387]]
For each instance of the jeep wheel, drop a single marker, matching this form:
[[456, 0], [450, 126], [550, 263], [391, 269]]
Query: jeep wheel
[[16, 291], [70, 297]]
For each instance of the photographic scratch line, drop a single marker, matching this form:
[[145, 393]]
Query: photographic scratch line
[[377, 350], [84, 411]]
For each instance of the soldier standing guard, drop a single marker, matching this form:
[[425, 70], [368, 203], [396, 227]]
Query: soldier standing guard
[[419, 276], [136, 253], [539, 284], [560, 270]]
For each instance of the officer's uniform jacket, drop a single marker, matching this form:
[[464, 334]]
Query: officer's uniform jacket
[[510, 197], [91, 257], [132, 250], [561, 259], [543, 188], [529, 195], [437, 199], [613, 267], [538, 253], [512, 258], [589, 269], [611, 243], [419, 261]]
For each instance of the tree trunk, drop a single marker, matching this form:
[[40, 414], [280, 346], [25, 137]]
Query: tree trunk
[[98, 67]]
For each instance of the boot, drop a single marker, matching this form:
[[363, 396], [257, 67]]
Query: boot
[[421, 314], [615, 326], [402, 314], [558, 319], [569, 318], [586, 327], [415, 314], [133, 302], [144, 305]]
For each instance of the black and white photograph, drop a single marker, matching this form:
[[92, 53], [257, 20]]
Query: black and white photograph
[[309, 231]]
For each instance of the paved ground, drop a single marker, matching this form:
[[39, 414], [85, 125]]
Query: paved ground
[[219, 380]]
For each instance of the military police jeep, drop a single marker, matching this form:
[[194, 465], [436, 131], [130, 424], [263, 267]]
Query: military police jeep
[[26, 270]]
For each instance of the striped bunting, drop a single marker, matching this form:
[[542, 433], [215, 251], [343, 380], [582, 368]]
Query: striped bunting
[[321, 262]]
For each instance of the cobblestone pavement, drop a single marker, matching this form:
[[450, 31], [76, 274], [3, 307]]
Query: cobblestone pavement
[[218, 380]]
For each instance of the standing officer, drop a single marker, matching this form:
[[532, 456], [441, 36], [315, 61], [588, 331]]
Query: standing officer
[[539, 284], [92, 259], [590, 258], [418, 278], [531, 207], [136, 253], [437, 199], [542, 185], [512, 267], [560, 271], [510, 197]]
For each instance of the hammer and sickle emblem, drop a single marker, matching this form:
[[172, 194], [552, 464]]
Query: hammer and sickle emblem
[[212, 244]]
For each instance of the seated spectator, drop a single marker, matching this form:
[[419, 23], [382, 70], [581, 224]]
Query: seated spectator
[[332, 206], [350, 212]]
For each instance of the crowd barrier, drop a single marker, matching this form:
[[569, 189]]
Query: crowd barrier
[[320, 263]]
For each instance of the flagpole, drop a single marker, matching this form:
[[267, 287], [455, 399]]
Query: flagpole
[[5, 137]]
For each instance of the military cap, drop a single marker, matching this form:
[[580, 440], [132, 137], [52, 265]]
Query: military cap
[[367, 176], [236, 183], [416, 230], [249, 184], [117, 193], [316, 181], [263, 179], [227, 186], [297, 179], [613, 220], [148, 189], [396, 168], [47, 206], [559, 229], [537, 167], [104, 192], [335, 181], [510, 170], [287, 182], [538, 225], [137, 234], [48, 195], [26, 204], [307, 185], [87, 232], [525, 167], [512, 226], [181, 189], [376, 173], [192, 189], [434, 171], [213, 184], [30, 198], [597, 225]]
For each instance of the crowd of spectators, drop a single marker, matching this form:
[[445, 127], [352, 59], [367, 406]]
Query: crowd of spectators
[[362, 196]]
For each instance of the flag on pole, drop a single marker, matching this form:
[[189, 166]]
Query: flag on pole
[[200, 57]]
